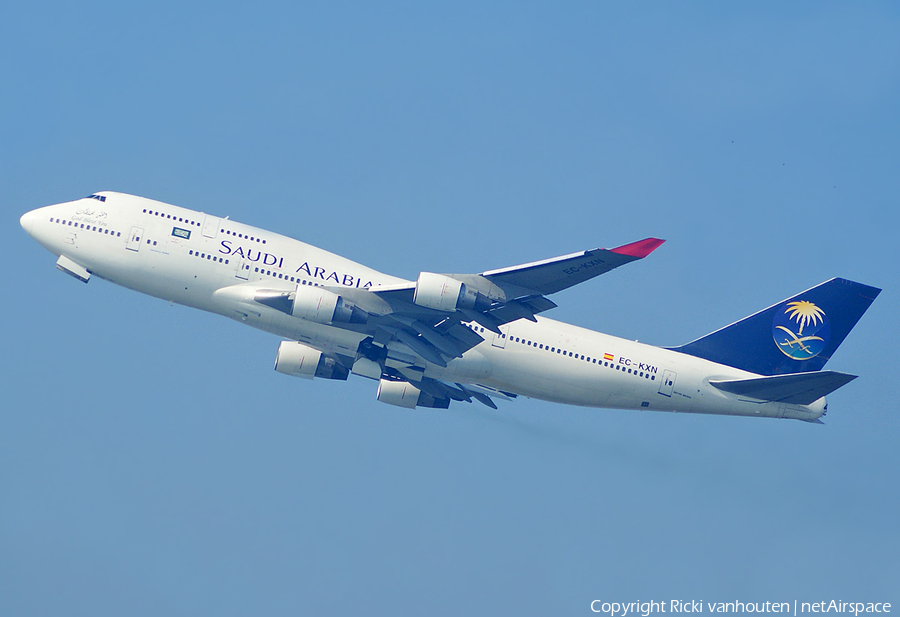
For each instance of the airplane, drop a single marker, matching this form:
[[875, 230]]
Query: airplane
[[453, 337]]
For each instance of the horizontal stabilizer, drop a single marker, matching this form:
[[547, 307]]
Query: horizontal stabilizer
[[794, 388]]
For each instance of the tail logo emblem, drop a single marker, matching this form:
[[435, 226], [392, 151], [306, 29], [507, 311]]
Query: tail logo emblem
[[801, 330]]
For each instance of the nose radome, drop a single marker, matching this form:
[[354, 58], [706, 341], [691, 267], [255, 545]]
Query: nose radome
[[27, 221]]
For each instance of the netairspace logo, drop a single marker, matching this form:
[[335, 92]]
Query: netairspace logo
[[645, 609]]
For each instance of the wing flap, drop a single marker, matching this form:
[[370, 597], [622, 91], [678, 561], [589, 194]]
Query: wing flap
[[521, 308], [794, 388], [467, 337]]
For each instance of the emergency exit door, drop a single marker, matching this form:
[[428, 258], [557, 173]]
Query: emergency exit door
[[668, 383], [210, 226], [242, 270], [134, 239], [500, 339]]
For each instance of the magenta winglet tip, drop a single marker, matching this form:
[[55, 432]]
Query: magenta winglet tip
[[639, 249]]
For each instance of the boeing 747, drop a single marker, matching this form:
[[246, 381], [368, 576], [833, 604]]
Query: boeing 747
[[453, 337]]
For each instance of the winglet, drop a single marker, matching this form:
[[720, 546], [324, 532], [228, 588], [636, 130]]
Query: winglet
[[639, 249]]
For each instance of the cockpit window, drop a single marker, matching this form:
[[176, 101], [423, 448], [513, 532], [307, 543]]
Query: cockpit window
[[97, 197]]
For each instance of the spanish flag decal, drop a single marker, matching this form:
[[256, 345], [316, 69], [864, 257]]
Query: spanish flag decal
[[608, 356]]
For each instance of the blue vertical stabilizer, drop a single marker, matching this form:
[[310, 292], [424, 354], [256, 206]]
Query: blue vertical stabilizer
[[797, 335]]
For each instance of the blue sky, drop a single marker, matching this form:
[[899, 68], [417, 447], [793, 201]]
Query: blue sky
[[152, 462]]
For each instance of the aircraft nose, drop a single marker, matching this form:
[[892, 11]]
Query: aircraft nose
[[27, 221]]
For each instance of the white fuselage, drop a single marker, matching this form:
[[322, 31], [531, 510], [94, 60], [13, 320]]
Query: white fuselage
[[216, 264]]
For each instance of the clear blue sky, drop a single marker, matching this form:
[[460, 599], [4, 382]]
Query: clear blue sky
[[152, 462]]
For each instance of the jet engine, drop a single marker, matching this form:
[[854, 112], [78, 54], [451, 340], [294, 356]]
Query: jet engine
[[313, 304], [443, 293], [404, 394], [319, 305], [298, 360]]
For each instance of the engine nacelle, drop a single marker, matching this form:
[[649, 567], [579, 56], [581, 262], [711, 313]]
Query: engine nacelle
[[298, 360], [399, 393], [404, 394], [313, 304], [443, 293], [319, 305]]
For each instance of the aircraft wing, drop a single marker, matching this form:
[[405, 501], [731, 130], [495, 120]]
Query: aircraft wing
[[552, 275], [513, 293]]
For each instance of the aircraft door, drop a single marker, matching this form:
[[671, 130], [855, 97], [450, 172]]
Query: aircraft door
[[500, 339], [242, 270], [210, 226], [668, 383], [134, 239]]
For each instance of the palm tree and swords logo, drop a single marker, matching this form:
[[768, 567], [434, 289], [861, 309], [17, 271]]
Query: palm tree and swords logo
[[801, 330]]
